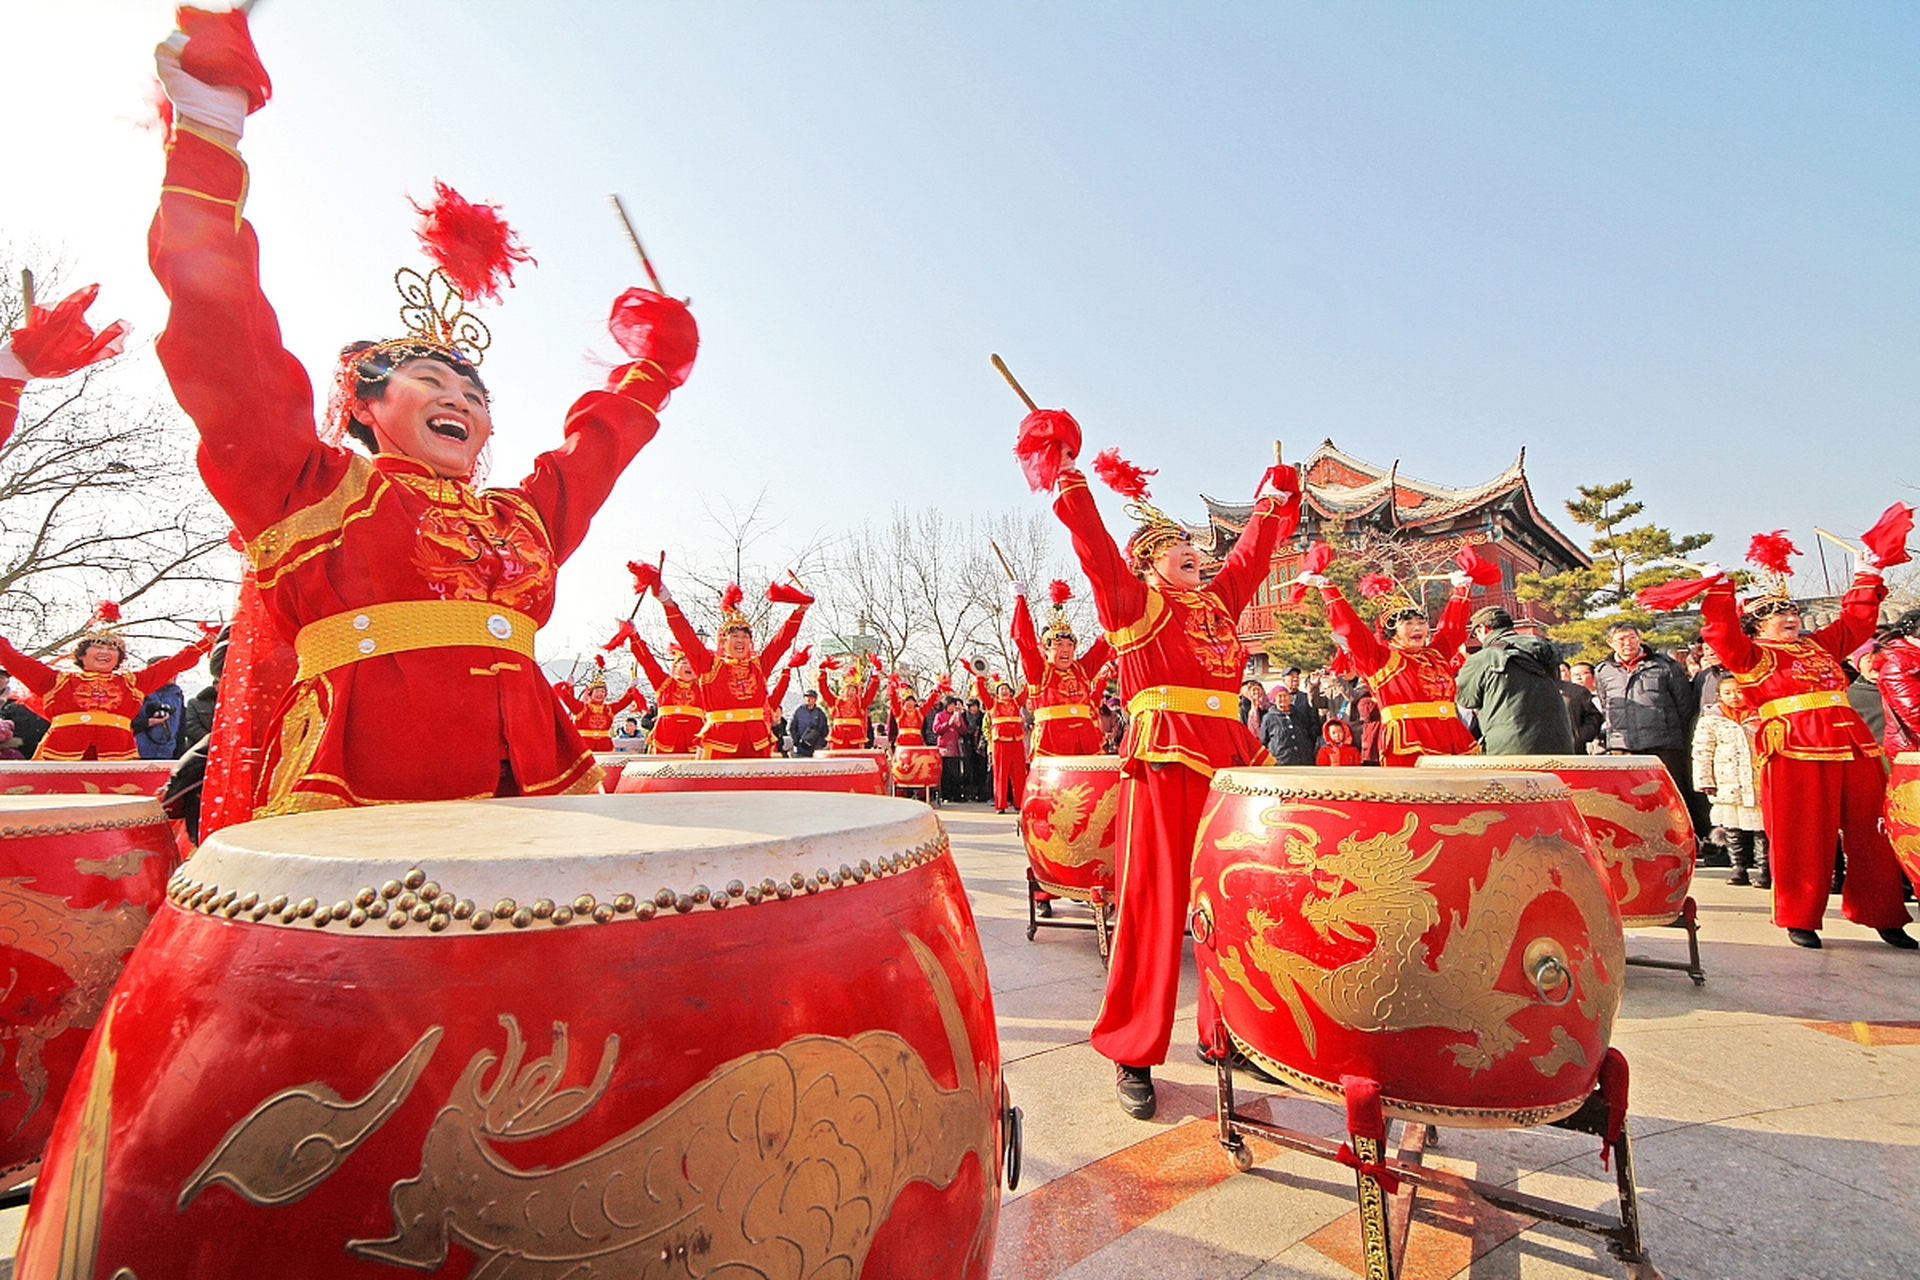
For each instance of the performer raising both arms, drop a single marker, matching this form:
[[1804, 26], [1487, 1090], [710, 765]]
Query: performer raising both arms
[[678, 714], [1060, 687], [1822, 775], [909, 713], [732, 675], [1409, 665], [411, 596], [593, 715], [92, 709], [1007, 731], [1181, 663], [847, 702]]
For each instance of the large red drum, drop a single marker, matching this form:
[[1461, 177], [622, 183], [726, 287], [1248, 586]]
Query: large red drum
[[652, 774], [520, 1038], [1639, 823], [881, 761], [1903, 812], [612, 764], [916, 764], [84, 777], [1449, 935], [1067, 821], [80, 876]]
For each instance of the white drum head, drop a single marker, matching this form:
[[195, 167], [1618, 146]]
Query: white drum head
[[1400, 786], [22, 816]]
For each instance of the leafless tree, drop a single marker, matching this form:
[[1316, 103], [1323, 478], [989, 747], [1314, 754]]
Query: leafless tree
[[99, 499]]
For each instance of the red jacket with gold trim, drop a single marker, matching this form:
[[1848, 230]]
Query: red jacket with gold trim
[[330, 533], [847, 708], [1410, 677], [594, 722], [91, 712], [1004, 720], [1799, 690], [1050, 685], [732, 692], [1186, 639], [679, 713]]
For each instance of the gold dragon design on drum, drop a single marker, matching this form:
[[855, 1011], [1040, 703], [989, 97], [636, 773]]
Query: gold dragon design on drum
[[1903, 822], [1373, 885], [1071, 810], [1656, 836]]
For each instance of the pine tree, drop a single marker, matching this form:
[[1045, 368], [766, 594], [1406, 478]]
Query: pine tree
[[1626, 559]]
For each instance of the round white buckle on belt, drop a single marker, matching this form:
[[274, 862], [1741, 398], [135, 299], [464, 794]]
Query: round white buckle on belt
[[498, 627], [367, 645], [1213, 703], [361, 622]]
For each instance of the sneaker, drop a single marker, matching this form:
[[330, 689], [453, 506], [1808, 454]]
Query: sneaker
[[1134, 1085], [1804, 938], [1900, 939]]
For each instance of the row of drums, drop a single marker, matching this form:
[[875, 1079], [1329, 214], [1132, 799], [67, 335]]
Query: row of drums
[[726, 1026]]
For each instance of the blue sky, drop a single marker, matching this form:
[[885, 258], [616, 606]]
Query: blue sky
[[1676, 243]]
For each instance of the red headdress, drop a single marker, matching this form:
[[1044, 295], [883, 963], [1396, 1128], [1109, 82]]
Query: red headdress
[[1769, 552], [1058, 628], [1156, 530], [101, 630], [731, 619]]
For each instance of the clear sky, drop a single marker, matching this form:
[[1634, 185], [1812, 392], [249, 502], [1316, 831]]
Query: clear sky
[[1671, 242]]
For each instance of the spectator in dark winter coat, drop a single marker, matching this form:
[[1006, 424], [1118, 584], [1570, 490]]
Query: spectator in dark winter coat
[[1513, 682], [809, 725], [28, 725], [1650, 703], [1583, 713], [156, 727]]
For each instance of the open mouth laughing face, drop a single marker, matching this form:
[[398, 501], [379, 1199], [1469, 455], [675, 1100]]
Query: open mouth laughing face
[[1178, 566], [432, 414]]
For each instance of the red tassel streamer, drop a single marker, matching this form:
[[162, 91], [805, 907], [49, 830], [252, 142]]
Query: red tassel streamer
[[646, 577], [623, 635], [1048, 440], [1663, 597], [1375, 585], [56, 341], [787, 593], [1120, 475], [1887, 540], [1769, 551], [801, 657], [1483, 571], [471, 242]]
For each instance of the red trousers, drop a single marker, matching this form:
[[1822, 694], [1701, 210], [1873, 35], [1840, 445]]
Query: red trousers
[[1811, 806], [1009, 773], [1159, 818]]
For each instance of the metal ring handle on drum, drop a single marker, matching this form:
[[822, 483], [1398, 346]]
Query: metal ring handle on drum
[[1546, 967], [1012, 1138], [1201, 922]]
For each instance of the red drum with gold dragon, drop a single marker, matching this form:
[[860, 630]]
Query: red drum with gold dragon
[[916, 765], [881, 761], [1639, 823], [614, 1036], [653, 774], [1067, 821], [1448, 935], [612, 764], [1903, 812], [84, 777], [80, 876]]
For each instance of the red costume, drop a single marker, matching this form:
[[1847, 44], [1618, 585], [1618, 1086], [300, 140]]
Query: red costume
[[92, 712], [847, 708], [1007, 731], [678, 714], [1181, 664], [1062, 696], [910, 726], [734, 693], [1899, 680], [1414, 687], [594, 720], [1822, 780], [411, 599]]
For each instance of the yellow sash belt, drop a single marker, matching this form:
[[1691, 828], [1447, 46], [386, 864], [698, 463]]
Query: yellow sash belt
[[94, 719], [1802, 702], [1417, 711], [1065, 711], [1185, 701], [737, 715], [402, 625]]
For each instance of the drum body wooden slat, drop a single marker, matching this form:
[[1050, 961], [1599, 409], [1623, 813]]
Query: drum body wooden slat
[[1640, 825], [607, 1074], [881, 761], [1448, 935], [80, 876], [1069, 823]]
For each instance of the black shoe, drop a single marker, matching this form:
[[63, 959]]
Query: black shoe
[[1764, 882], [1899, 938], [1134, 1085], [1740, 877], [1712, 855], [1804, 938], [1044, 908]]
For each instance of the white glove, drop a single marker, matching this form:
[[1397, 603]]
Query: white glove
[[1312, 579], [1460, 578], [662, 594], [1867, 569], [10, 366], [217, 106], [1019, 590], [1712, 571]]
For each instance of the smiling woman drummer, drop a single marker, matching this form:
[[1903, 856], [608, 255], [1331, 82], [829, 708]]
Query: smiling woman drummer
[[410, 596]]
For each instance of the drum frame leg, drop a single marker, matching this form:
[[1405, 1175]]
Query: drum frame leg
[[1101, 924], [1384, 1219], [1688, 919]]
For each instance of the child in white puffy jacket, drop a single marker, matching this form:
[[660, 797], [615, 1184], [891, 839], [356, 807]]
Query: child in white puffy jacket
[[1723, 771]]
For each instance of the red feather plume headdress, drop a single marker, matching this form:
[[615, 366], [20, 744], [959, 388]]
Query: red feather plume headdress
[[1059, 591], [731, 618], [1375, 585], [1058, 628], [100, 630], [471, 243], [1156, 530], [1769, 553]]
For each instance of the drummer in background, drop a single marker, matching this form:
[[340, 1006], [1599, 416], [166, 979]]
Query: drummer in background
[[848, 700], [412, 596], [91, 709], [909, 716], [1181, 663], [733, 674], [1408, 665], [679, 712], [593, 715], [1060, 686], [1822, 775], [1007, 730]]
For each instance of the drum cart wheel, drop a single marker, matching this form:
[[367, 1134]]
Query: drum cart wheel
[[1688, 919], [1385, 1215], [1101, 924]]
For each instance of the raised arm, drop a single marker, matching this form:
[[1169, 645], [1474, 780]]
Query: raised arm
[[1251, 559], [1450, 635], [1720, 628], [699, 657], [604, 431], [656, 673], [156, 675], [1356, 637], [1097, 656], [980, 691], [1033, 664], [564, 691], [631, 698], [29, 670], [1118, 597], [783, 638], [1859, 616]]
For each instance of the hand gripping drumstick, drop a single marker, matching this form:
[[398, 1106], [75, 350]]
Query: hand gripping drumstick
[[633, 237], [641, 597]]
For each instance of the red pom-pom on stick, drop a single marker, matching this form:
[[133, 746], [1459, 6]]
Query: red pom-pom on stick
[[732, 596], [1375, 585], [1887, 541], [800, 658], [1663, 597], [107, 611], [1483, 571], [1769, 551], [600, 661], [56, 341], [1120, 475], [652, 326], [471, 242], [787, 593], [1049, 439], [1059, 592], [646, 577], [220, 52], [625, 634]]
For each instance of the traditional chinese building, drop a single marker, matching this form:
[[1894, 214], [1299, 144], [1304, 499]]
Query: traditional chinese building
[[1345, 496]]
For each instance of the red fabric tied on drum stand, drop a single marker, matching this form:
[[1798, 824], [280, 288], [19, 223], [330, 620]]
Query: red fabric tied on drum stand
[[1366, 1118], [1613, 1087]]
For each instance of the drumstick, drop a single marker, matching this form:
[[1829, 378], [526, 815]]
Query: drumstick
[[634, 237], [639, 600], [1014, 382], [1840, 542], [1004, 566], [26, 292]]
